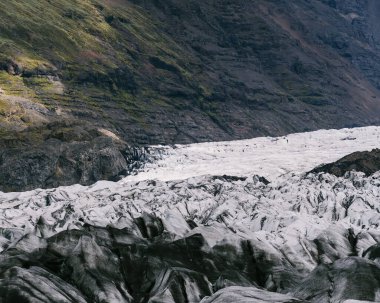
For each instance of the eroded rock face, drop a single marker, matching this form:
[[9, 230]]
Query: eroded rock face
[[367, 162], [59, 163]]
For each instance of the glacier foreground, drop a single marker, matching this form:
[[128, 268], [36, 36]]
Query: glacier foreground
[[271, 233]]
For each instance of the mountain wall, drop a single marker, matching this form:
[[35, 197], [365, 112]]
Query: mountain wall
[[173, 71], [163, 72]]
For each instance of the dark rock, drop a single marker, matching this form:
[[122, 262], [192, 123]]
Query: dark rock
[[366, 162], [57, 163]]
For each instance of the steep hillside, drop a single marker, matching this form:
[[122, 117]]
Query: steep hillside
[[182, 71], [174, 71]]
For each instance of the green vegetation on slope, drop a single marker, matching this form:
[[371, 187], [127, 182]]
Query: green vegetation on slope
[[168, 71], [86, 55]]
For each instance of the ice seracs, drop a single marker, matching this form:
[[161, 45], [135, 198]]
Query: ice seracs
[[223, 236]]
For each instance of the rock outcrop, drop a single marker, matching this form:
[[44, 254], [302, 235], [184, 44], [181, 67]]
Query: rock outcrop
[[367, 162], [57, 162]]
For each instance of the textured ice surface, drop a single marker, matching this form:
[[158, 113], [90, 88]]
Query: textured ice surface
[[293, 224], [294, 201], [267, 156]]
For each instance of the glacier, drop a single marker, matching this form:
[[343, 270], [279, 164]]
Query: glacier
[[240, 221]]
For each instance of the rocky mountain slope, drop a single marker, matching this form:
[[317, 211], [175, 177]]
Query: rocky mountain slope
[[171, 71], [290, 237], [174, 71]]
